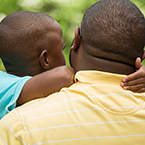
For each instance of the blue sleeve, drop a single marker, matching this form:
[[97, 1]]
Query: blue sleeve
[[10, 89]]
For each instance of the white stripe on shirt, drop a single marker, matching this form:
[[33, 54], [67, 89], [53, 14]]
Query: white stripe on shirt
[[3, 141], [72, 111], [92, 123], [90, 138], [13, 131]]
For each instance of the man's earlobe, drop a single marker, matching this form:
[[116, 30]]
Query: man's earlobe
[[44, 61], [77, 40]]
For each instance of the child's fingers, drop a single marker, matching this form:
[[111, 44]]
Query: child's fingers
[[131, 77], [137, 85], [136, 88], [134, 82], [136, 75]]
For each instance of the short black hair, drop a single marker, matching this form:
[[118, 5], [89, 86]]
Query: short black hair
[[114, 30], [22, 35]]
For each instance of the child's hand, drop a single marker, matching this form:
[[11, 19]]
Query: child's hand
[[136, 81]]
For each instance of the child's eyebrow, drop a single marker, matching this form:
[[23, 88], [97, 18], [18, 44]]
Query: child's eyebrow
[[63, 45]]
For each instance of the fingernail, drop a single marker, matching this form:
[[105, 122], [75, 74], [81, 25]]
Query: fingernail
[[122, 84], [125, 88], [124, 79]]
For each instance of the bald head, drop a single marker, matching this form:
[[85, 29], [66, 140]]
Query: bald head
[[23, 35], [113, 30]]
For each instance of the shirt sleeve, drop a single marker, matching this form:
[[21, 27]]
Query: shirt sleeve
[[11, 130], [10, 89]]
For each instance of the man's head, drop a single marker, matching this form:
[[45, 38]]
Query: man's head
[[112, 37], [30, 43]]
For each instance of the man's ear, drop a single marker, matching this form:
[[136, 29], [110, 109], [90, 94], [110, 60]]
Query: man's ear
[[143, 55], [44, 61], [77, 40]]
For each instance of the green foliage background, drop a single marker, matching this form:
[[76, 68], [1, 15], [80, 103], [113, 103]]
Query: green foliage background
[[68, 13]]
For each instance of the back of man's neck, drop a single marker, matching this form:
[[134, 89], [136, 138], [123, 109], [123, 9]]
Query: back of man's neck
[[93, 63]]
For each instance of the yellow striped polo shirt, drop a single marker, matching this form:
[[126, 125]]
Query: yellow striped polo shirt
[[93, 111]]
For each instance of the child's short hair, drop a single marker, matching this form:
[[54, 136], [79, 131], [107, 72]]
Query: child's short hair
[[22, 36]]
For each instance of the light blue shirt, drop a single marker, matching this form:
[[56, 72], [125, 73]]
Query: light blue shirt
[[10, 89]]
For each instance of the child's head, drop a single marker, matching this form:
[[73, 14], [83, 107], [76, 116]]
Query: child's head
[[30, 43]]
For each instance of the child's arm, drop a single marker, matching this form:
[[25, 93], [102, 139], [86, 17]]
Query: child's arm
[[46, 83], [136, 81]]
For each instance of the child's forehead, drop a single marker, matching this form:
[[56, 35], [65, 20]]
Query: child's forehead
[[57, 28], [54, 33]]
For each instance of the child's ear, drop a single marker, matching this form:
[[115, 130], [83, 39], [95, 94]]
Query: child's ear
[[44, 61], [77, 40]]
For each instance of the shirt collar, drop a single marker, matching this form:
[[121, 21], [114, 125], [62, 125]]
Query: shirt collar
[[98, 77]]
